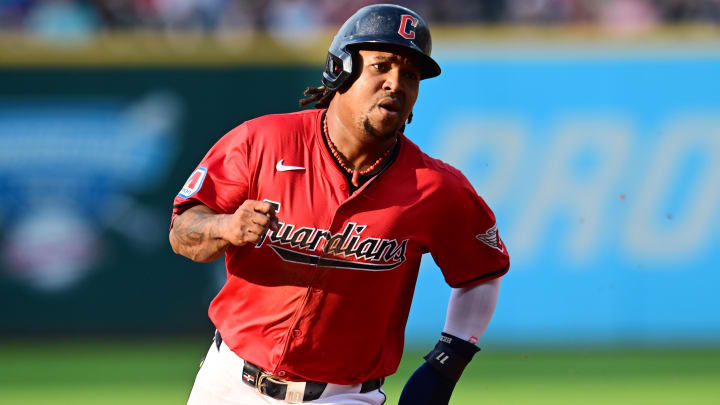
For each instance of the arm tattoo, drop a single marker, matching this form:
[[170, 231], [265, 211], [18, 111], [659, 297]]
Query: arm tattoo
[[195, 235]]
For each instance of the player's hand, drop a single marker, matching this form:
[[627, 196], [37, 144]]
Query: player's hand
[[249, 223]]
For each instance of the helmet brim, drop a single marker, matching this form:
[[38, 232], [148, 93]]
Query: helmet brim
[[427, 65]]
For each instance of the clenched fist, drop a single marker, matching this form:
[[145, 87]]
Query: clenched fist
[[249, 223]]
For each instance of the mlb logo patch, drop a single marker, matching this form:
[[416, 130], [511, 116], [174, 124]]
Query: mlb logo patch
[[193, 183]]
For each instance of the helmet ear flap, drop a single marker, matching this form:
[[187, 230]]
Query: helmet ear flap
[[337, 70], [335, 65]]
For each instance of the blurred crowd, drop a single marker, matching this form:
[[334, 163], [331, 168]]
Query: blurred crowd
[[80, 17]]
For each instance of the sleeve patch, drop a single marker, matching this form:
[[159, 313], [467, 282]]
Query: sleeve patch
[[193, 183], [491, 238]]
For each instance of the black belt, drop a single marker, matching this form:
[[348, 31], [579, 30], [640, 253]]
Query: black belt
[[273, 387]]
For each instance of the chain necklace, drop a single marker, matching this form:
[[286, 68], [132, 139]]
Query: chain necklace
[[355, 173]]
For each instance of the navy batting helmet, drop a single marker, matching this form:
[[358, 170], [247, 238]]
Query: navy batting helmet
[[379, 24]]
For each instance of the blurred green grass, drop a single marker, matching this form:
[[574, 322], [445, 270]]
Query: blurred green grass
[[162, 371]]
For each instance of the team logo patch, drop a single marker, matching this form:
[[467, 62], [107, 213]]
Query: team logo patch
[[491, 238], [193, 183], [407, 26]]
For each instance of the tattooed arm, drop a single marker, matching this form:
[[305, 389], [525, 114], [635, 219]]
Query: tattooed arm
[[202, 235]]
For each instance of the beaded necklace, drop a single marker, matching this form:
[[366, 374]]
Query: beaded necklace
[[355, 173]]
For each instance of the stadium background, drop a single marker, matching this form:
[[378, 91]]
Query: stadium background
[[591, 127]]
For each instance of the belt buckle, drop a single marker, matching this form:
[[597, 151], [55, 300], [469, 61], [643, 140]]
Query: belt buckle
[[294, 390], [261, 377]]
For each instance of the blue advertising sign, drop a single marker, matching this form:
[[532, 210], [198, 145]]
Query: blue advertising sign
[[68, 170], [603, 172]]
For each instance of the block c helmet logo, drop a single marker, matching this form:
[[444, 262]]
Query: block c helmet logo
[[404, 30]]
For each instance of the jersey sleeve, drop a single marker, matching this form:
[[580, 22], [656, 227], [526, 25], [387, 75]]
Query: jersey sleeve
[[221, 180], [467, 247]]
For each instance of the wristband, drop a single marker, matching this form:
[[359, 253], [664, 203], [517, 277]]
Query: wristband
[[451, 355]]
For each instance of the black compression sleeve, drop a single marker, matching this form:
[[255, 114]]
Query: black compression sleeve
[[451, 355]]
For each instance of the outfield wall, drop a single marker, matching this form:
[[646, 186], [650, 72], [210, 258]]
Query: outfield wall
[[602, 167], [600, 163]]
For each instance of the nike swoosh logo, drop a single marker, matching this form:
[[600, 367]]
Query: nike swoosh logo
[[282, 168]]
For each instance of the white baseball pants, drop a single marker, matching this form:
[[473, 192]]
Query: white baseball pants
[[219, 382]]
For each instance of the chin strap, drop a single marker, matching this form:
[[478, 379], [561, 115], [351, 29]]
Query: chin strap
[[451, 355]]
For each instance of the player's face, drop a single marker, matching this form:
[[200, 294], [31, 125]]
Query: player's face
[[383, 95]]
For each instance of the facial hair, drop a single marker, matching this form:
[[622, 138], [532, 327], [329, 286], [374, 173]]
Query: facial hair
[[370, 130]]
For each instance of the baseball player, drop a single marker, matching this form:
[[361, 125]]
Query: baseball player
[[323, 216]]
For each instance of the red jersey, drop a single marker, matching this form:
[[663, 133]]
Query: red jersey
[[327, 296]]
